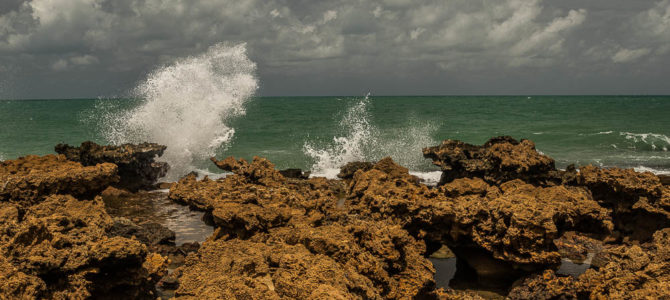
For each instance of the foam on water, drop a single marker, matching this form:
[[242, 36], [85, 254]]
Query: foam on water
[[655, 141], [187, 105], [363, 141]]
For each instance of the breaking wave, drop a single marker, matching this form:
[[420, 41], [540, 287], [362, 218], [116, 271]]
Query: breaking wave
[[363, 141], [187, 105], [648, 141]]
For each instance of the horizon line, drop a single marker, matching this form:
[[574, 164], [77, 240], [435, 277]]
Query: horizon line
[[403, 95]]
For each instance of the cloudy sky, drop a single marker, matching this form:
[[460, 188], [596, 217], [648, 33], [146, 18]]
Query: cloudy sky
[[88, 48]]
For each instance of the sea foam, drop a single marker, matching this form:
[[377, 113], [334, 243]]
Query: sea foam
[[187, 105]]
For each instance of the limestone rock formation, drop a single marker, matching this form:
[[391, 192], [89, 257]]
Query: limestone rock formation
[[29, 179], [59, 249], [137, 166], [640, 203], [500, 159]]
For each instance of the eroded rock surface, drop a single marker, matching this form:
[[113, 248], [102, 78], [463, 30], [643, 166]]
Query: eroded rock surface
[[640, 203], [59, 249], [136, 163], [495, 229], [30, 179], [500, 159]]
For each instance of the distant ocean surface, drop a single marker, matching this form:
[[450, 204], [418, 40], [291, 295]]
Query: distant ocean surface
[[320, 133]]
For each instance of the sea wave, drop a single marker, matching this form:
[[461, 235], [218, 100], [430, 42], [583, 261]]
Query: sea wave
[[363, 141], [652, 170], [655, 141], [187, 106]]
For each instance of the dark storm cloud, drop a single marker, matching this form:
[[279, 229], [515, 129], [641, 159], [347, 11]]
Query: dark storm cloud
[[83, 48]]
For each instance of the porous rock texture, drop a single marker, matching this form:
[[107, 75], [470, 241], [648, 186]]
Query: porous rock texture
[[136, 162], [622, 272], [640, 203], [27, 180], [497, 230], [500, 159], [59, 249], [288, 238]]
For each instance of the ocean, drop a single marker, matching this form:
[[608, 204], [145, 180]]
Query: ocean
[[321, 133]]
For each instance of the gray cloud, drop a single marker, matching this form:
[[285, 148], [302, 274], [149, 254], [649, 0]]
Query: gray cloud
[[84, 48]]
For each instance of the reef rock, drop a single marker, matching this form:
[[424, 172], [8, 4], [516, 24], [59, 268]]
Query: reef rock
[[640, 203], [137, 166], [29, 179], [362, 260], [260, 170], [59, 249], [347, 171], [498, 160], [545, 286], [497, 231], [631, 272]]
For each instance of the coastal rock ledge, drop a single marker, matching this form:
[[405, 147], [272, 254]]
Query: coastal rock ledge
[[136, 162]]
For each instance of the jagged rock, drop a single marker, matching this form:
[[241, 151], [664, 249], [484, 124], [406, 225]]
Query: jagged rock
[[29, 179], [137, 166], [498, 231], [640, 203], [295, 173], [546, 286], [347, 171], [632, 272], [358, 261], [58, 249], [449, 294], [260, 170], [498, 160]]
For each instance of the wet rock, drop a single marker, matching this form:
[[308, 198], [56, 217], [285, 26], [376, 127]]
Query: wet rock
[[546, 285], [576, 247], [665, 179], [147, 233], [137, 166], [30, 179], [295, 173], [640, 203], [500, 159], [450, 294], [347, 171], [58, 249]]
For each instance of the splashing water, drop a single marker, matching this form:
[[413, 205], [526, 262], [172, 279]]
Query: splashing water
[[365, 142], [360, 135], [186, 106]]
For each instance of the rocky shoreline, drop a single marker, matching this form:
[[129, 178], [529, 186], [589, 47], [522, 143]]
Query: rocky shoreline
[[80, 225]]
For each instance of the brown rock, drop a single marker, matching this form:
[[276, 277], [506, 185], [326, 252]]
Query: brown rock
[[58, 249], [576, 247], [498, 160], [631, 272], [31, 178], [347, 171], [137, 166], [640, 203], [260, 170], [546, 285], [360, 261]]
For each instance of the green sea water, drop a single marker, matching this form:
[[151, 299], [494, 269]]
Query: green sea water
[[623, 131]]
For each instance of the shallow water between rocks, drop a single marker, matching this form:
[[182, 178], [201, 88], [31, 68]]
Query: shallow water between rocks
[[445, 273], [154, 206]]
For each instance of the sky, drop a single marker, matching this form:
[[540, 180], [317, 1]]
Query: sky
[[91, 48]]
